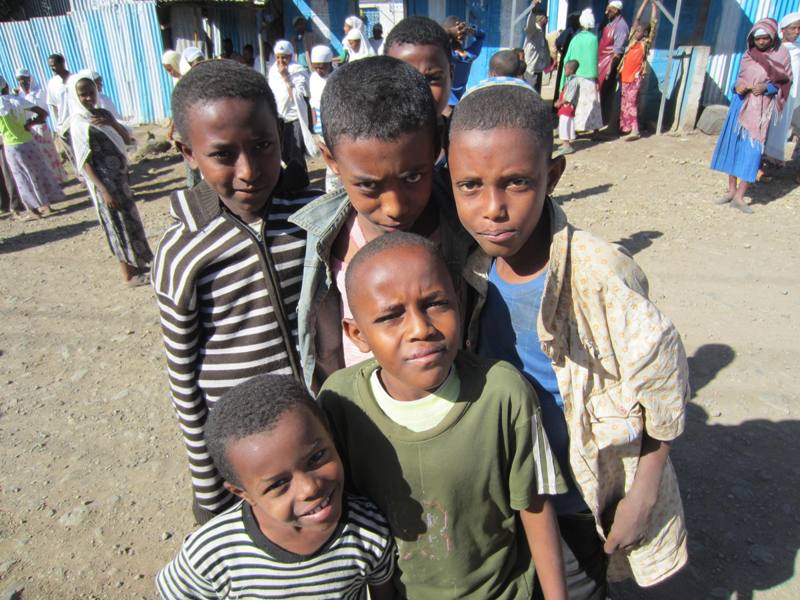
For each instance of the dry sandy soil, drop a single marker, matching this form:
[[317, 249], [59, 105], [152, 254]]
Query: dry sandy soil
[[94, 489]]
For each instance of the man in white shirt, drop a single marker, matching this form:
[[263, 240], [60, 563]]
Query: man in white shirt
[[289, 83], [376, 41], [58, 101]]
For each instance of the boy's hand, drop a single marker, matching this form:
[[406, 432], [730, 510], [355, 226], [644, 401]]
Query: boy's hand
[[630, 520], [108, 198]]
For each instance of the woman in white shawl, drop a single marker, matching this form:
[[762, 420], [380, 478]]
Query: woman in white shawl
[[289, 84], [356, 44], [781, 122], [33, 93], [99, 142]]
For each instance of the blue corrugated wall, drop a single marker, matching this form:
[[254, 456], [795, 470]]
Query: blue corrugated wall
[[121, 42]]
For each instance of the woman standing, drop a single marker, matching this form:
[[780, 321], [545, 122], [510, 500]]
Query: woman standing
[[761, 89], [99, 142], [35, 180], [33, 93], [356, 44], [583, 49]]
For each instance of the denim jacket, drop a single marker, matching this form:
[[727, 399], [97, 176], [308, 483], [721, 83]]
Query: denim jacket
[[319, 310]]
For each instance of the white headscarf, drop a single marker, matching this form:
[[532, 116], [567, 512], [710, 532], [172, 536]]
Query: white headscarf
[[80, 122], [615, 4], [188, 56], [587, 19], [365, 49], [35, 94], [171, 58]]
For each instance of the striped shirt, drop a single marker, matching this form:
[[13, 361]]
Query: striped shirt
[[230, 557], [212, 279]]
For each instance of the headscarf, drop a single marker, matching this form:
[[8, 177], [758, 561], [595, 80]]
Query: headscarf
[[615, 4], [172, 58], [80, 121], [35, 94], [10, 105], [365, 49], [587, 19], [772, 65], [793, 17]]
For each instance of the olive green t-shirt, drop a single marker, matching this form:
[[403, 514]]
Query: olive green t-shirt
[[451, 494]]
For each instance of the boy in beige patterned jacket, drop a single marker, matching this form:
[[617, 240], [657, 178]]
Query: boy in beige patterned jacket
[[572, 313]]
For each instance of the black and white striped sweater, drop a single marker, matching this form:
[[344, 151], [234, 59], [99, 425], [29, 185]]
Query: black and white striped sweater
[[212, 281]]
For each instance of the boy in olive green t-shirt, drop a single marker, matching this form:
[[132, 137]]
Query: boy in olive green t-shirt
[[449, 446]]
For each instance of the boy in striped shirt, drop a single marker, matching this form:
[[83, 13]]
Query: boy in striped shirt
[[227, 273], [294, 533], [448, 445]]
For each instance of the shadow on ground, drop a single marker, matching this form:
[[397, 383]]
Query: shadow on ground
[[740, 488], [23, 241], [636, 242]]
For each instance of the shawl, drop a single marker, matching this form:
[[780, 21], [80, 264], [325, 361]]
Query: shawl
[[80, 121], [365, 49], [772, 65]]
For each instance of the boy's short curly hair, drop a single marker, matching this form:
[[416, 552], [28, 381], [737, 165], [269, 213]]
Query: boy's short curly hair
[[504, 107], [377, 97], [419, 31], [216, 80], [253, 407]]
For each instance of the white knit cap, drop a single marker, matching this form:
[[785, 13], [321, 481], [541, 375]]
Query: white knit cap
[[587, 19], [22, 73], [353, 34], [321, 54], [283, 48], [789, 19], [760, 32], [191, 54], [615, 4]]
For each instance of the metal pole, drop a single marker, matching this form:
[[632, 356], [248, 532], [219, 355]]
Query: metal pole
[[675, 21], [511, 43]]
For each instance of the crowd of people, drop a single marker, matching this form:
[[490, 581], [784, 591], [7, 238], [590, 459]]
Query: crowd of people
[[421, 382]]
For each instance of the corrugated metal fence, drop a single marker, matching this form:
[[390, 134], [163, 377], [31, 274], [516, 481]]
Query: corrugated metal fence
[[122, 42]]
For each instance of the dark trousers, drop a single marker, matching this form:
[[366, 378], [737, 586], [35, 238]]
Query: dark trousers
[[9, 195], [292, 148], [609, 104], [584, 559]]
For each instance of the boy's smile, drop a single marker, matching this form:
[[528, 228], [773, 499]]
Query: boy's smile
[[388, 182], [405, 311], [293, 479], [433, 64], [235, 144], [500, 180]]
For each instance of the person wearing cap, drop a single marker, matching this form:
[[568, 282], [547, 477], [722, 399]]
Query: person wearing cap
[[537, 51], [613, 41], [289, 83], [779, 128], [33, 93], [171, 61], [190, 56], [304, 40], [583, 49], [321, 69]]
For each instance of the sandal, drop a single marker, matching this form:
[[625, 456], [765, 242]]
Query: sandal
[[138, 281]]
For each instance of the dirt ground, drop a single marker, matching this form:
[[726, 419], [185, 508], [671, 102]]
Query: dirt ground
[[94, 486]]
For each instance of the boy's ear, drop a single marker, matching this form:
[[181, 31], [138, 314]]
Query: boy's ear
[[329, 159], [237, 491], [355, 334], [554, 172], [187, 154]]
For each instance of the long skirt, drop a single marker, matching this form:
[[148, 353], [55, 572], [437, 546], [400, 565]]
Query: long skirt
[[44, 139], [736, 153], [35, 180], [122, 226], [587, 111], [629, 107]]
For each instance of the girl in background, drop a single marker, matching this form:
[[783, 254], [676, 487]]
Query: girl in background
[[99, 142], [761, 89]]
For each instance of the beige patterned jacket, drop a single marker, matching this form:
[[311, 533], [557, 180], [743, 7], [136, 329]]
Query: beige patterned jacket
[[621, 370]]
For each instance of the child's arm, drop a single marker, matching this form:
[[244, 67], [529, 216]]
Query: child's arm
[[544, 539], [179, 580], [632, 513]]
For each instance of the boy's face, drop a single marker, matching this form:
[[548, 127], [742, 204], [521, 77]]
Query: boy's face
[[236, 145], [322, 69], [500, 180], [389, 182], [762, 42], [87, 93], [433, 64], [569, 69], [405, 312], [293, 479]]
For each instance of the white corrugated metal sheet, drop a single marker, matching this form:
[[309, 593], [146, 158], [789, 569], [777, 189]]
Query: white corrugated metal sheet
[[122, 42]]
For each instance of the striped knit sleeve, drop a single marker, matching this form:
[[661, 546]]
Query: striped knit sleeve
[[180, 325], [549, 480], [180, 581]]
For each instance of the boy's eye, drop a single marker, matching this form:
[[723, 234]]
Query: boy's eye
[[265, 145], [414, 178], [467, 186], [519, 182], [440, 304], [367, 186], [433, 78], [388, 317], [317, 456], [276, 485]]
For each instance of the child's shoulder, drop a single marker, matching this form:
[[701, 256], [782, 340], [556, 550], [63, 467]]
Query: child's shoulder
[[345, 381], [318, 211], [229, 522], [492, 376]]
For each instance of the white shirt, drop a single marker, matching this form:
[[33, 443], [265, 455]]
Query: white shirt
[[316, 85], [285, 103], [377, 45], [58, 100], [418, 415]]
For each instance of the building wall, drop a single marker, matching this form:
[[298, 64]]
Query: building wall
[[121, 42]]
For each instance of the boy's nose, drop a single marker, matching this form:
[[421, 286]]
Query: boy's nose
[[495, 205], [308, 486], [419, 325], [246, 168]]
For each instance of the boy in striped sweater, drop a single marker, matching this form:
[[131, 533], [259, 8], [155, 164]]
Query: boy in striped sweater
[[227, 272], [295, 533]]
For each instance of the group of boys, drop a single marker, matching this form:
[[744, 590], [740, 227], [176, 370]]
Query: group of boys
[[494, 395]]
